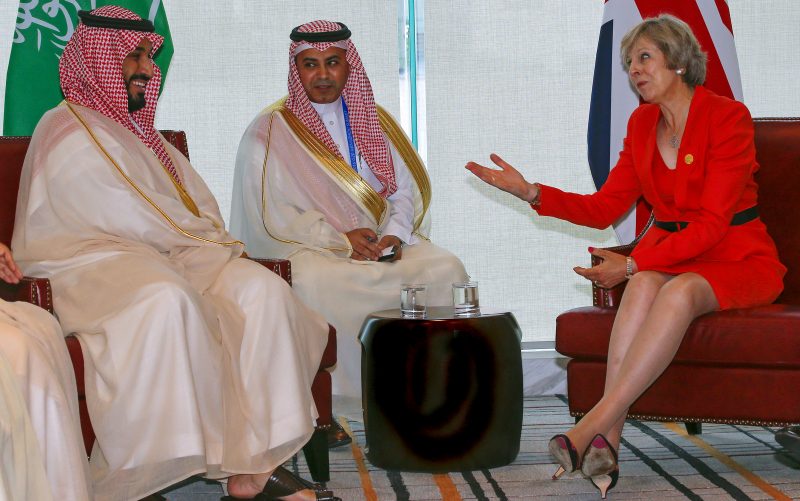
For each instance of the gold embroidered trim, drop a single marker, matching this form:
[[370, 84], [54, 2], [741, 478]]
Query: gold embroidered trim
[[361, 189], [349, 178], [139, 190], [411, 159], [264, 187], [187, 200]]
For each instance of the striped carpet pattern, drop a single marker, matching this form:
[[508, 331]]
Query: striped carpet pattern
[[658, 461]]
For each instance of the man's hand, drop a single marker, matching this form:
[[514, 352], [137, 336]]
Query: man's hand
[[507, 179], [9, 271], [391, 241], [364, 243], [608, 273]]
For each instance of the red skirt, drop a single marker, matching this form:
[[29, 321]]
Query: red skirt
[[743, 268]]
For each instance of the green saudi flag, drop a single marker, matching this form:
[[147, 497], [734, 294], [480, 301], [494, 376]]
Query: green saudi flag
[[42, 31]]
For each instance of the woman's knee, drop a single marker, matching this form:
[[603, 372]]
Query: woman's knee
[[645, 284], [690, 292]]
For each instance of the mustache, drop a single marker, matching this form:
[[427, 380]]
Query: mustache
[[139, 76], [324, 81]]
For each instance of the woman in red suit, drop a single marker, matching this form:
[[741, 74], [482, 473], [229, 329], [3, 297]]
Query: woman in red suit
[[690, 154]]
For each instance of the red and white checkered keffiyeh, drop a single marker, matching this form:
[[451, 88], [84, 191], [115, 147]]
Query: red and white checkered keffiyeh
[[357, 93], [91, 76]]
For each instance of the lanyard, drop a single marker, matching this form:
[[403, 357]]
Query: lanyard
[[351, 146]]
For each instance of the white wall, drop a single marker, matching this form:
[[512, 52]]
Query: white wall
[[511, 76], [767, 36]]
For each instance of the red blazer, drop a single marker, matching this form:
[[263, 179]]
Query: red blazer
[[714, 180]]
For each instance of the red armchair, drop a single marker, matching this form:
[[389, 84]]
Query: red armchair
[[37, 291], [736, 366]]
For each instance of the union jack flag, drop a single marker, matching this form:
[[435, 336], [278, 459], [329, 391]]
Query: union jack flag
[[613, 99]]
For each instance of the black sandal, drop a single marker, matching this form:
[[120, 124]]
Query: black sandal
[[337, 437], [282, 483]]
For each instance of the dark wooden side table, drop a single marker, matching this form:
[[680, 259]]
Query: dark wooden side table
[[441, 393]]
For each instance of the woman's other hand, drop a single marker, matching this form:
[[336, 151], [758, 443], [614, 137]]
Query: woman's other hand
[[507, 179], [607, 274]]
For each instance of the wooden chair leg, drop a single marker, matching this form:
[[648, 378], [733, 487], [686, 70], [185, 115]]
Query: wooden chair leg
[[694, 428], [316, 453]]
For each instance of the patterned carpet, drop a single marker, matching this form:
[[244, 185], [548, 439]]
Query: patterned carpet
[[657, 461]]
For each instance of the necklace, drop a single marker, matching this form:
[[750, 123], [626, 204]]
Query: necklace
[[674, 138]]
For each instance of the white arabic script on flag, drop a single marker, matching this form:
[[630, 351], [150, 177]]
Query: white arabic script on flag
[[57, 22]]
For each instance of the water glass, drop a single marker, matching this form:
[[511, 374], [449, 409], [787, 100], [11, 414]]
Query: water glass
[[465, 298], [412, 300]]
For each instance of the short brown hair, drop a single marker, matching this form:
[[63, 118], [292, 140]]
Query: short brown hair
[[675, 39]]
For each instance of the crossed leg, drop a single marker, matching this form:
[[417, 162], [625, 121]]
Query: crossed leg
[[655, 312]]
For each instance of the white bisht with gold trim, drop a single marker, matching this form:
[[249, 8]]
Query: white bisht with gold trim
[[294, 198], [197, 361]]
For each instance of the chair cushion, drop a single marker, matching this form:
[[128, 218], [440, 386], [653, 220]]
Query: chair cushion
[[767, 336]]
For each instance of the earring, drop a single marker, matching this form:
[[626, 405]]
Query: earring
[[680, 71]]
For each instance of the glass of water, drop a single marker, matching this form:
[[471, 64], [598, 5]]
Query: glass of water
[[465, 298], [413, 300]]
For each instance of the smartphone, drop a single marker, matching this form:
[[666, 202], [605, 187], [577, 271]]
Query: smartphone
[[388, 254]]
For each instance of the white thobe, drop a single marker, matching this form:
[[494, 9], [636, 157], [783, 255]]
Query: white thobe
[[197, 361], [39, 411], [287, 204], [400, 221]]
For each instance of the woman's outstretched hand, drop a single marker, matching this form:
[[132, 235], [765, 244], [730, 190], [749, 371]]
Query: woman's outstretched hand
[[507, 179]]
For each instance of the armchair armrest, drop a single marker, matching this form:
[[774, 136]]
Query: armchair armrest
[[610, 298], [283, 267], [30, 290]]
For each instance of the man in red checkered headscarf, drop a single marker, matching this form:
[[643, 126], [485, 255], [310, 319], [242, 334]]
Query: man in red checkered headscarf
[[197, 361], [111, 71], [328, 179], [307, 84]]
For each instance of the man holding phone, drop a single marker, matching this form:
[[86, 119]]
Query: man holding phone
[[328, 179]]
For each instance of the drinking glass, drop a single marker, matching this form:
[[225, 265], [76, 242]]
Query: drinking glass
[[465, 298], [412, 300]]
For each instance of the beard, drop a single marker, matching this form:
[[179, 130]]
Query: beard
[[135, 102]]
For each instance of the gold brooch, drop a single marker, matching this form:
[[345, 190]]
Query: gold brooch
[[688, 159]]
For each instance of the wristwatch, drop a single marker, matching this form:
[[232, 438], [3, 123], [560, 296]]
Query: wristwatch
[[628, 267]]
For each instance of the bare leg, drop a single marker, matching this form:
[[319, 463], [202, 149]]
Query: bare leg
[[649, 352], [249, 486], [640, 293]]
